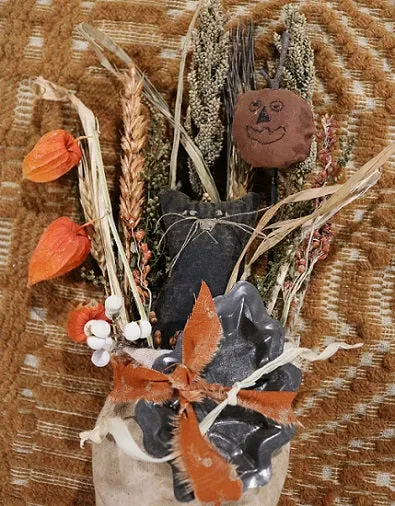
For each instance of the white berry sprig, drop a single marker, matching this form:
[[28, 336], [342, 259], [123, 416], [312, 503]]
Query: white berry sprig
[[103, 338]]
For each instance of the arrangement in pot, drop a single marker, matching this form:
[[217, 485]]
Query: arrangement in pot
[[225, 207]]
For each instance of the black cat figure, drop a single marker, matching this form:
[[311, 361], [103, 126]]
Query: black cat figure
[[204, 241]]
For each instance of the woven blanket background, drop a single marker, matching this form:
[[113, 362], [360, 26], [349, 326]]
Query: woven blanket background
[[49, 389]]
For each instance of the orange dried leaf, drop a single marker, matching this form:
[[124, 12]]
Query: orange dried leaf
[[54, 154], [132, 382], [79, 317], [213, 478], [63, 246], [275, 405], [202, 332]]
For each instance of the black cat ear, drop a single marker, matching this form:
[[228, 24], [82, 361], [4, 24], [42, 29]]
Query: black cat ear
[[173, 201]]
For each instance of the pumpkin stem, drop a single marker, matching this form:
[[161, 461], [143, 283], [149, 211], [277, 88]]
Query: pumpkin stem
[[274, 83], [82, 138]]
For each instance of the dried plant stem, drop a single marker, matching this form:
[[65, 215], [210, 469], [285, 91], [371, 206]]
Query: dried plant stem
[[298, 75], [341, 195], [178, 106], [274, 83], [299, 70], [156, 177], [307, 252], [88, 206], [240, 78], [206, 78], [132, 162], [109, 232], [300, 280], [278, 286], [97, 39]]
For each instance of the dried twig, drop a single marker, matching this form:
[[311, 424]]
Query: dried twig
[[299, 69], [315, 246], [156, 178], [298, 75], [274, 83], [301, 255]]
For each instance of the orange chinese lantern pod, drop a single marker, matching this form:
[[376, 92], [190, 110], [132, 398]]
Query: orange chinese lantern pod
[[54, 154], [63, 246], [79, 317]]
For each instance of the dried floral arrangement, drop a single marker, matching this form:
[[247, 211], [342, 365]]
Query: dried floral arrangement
[[202, 297]]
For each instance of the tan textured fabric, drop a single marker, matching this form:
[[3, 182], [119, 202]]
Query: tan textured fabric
[[120, 480], [50, 391]]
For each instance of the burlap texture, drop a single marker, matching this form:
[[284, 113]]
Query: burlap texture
[[120, 480], [50, 391]]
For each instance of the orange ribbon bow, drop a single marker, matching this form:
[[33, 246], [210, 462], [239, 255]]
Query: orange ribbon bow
[[213, 478]]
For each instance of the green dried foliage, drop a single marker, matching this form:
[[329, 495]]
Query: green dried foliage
[[93, 277], [298, 76], [265, 284], [156, 176], [299, 71], [280, 255], [296, 176], [206, 79]]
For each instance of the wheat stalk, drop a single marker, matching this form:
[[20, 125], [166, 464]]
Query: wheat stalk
[[132, 162], [88, 206], [109, 231], [97, 40]]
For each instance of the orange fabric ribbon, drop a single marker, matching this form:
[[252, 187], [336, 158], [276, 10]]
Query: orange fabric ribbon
[[213, 478]]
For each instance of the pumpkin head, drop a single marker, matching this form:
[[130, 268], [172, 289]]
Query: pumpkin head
[[272, 128]]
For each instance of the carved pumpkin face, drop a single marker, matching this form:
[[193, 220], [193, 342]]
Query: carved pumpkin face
[[272, 128]]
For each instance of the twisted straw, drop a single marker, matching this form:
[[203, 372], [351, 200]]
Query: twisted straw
[[132, 161]]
